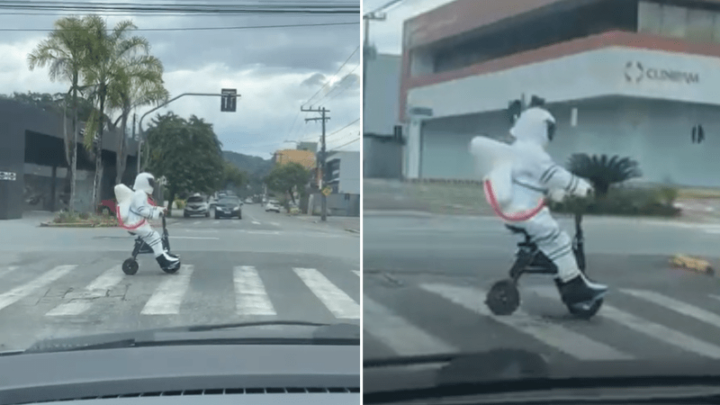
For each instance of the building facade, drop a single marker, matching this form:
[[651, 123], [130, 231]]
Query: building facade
[[634, 78]]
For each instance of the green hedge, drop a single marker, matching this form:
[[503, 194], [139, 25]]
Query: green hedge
[[657, 202]]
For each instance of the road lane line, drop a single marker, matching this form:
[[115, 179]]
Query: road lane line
[[675, 305], [274, 223], [651, 329], [357, 272], [565, 340], [83, 301], [251, 296], [4, 272], [335, 299], [16, 294], [168, 296], [397, 334], [255, 223]]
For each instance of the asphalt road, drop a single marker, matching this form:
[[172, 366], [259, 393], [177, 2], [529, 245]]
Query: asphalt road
[[68, 282], [425, 280]]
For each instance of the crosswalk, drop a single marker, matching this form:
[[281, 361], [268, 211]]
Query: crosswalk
[[441, 316], [64, 291]]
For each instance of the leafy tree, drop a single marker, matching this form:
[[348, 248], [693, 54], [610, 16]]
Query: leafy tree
[[108, 55], [232, 177], [187, 153], [288, 176], [602, 172], [65, 51], [139, 82]]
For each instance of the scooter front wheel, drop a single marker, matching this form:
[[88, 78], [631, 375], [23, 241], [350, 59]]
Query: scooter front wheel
[[585, 310], [130, 266], [503, 298]]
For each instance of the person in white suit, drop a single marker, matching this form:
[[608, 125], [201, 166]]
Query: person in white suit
[[135, 207], [516, 179]]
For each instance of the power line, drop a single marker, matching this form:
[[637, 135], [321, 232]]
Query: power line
[[249, 27], [336, 73], [345, 144], [344, 127], [339, 87], [187, 8]]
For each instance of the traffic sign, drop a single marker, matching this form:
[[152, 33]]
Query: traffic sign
[[228, 101], [327, 191]]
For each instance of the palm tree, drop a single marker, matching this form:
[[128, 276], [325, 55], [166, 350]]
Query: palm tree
[[139, 83], [65, 52], [108, 56]]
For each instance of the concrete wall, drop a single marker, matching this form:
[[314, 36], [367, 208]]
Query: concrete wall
[[655, 133], [382, 158]]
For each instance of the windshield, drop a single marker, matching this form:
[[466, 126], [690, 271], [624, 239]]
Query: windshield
[[560, 191], [106, 104]]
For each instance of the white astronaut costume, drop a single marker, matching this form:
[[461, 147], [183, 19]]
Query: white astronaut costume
[[516, 179], [134, 208]]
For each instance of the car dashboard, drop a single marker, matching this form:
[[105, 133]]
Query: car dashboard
[[213, 374]]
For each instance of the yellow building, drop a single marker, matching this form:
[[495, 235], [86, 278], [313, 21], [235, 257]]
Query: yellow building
[[303, 157]]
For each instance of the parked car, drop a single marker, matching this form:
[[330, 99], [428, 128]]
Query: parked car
[[272, 206], [228, 207], [196, 205]]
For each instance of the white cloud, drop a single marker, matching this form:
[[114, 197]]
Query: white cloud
[[267, 67]]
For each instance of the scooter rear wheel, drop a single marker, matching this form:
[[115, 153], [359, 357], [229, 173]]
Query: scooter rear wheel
[[585, 311], [172, 270], [503, 298], [130, 267]]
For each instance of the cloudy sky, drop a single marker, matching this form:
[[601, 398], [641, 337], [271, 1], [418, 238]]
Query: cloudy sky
[[275, 70], [387, 35]]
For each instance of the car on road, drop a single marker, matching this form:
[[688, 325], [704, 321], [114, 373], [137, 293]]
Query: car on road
[[228, 207], [272, 206], [196, 205]]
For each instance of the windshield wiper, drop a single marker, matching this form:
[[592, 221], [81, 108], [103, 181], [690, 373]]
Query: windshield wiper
[[319, 334]]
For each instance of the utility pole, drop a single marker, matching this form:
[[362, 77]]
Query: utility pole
[[323, 118], [372, 16]]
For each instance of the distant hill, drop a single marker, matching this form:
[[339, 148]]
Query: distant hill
[[256, 167], [253, 165]]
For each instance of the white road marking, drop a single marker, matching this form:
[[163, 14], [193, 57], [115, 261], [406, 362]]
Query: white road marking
[[22, 291], [675, 305], [335, 299], [4, 272], [83, 301], [565, 340], [651, 329], [168, 296], [274, 223], [399, 335], [255, 223], [251, 297], [357, 272], [197, 222]]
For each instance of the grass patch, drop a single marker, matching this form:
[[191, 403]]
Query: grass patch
[[626, 201], [84, 218]]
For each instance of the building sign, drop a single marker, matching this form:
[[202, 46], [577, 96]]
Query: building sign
[[636, 72], [9, 176]]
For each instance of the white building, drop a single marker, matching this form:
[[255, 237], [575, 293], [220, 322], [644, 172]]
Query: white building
[[343, 172], [636, 77]]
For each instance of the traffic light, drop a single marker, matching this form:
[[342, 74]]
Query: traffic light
[[228, 101]]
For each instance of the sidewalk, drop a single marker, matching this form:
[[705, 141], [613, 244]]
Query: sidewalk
[[350, 224]]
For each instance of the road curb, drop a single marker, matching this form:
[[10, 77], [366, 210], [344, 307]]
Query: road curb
[[685, 262], [76, 225], [398, 213]]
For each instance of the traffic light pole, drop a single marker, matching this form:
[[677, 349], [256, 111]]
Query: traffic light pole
[[323, 118], [142, 133]]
